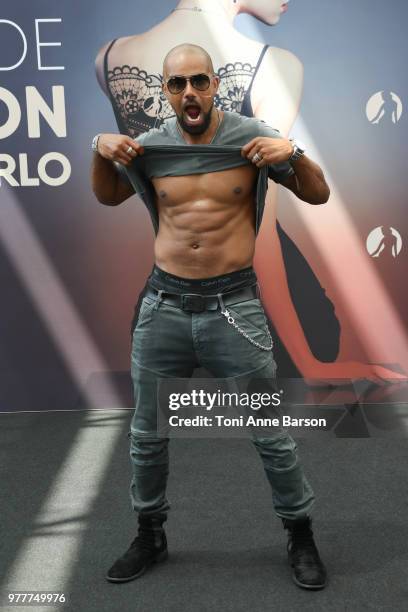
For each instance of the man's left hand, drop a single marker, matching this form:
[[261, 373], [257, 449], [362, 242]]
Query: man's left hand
[[267, 150]]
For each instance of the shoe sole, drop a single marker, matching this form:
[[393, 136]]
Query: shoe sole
[[310, 587], [161, 557]]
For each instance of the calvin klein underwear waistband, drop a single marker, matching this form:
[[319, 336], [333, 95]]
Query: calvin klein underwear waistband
[[160, 279]]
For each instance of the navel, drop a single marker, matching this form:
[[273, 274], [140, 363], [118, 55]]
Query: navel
[[195, 245], [237, 190], [162, 193]]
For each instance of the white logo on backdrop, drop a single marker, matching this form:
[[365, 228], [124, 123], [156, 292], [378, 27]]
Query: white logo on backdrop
[[384, 242], [384, 106]]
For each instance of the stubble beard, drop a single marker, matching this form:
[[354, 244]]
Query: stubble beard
[[196, 129]]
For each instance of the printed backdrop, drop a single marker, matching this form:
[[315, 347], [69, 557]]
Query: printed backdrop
[[71, 269]]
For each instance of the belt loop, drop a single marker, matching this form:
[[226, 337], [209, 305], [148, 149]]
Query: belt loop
[[221, 301], [159, 298], [258, 290]]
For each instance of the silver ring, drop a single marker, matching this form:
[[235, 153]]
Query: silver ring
[[256, 158], [129, 149]]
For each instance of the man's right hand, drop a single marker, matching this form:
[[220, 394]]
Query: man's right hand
[[119, 148]]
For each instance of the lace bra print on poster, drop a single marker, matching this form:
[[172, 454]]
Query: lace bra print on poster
[[140, 104]]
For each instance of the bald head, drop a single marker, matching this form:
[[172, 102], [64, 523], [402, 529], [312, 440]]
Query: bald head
[[192, 99], [184, 52]]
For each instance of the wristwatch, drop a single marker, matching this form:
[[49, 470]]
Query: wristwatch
[[298, 149], [95, 143]]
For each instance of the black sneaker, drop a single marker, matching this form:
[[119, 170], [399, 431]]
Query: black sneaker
[[309, 571], [148, 547]]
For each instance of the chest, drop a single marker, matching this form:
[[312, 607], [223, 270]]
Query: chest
[[228, 186]]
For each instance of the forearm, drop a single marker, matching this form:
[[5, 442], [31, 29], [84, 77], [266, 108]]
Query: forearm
[[104, 178], [312, 186]]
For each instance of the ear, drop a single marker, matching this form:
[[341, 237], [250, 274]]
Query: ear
[[216, 82]]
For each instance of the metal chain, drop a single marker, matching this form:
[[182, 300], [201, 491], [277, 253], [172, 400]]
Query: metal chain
[[231, 321]]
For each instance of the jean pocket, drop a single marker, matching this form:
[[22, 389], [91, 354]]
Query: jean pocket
[[250, 317], [146, 311]]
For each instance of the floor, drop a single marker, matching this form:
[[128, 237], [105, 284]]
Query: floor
[[66, 516]]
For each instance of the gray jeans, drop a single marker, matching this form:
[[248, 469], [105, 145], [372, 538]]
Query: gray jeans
[[170, 342]]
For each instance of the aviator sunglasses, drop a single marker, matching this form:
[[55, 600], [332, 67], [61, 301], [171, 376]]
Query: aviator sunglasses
[[177, 84]]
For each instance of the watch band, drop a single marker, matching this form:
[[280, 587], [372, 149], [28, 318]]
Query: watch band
[[95, 143], [298, 151]]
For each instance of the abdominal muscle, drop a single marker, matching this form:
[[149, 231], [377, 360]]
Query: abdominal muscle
[[211, 229]]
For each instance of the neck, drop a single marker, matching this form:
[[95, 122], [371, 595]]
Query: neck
[[219, 9], [209, 134]]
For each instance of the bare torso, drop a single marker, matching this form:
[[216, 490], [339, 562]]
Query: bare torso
[[206, 222], [224, 244]]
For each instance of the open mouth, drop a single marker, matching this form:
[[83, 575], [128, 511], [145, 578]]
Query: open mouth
[[193, 113]]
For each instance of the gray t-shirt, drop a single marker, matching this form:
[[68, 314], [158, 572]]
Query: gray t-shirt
[[167, 154]]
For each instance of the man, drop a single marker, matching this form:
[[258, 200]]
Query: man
[[202, 307]]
